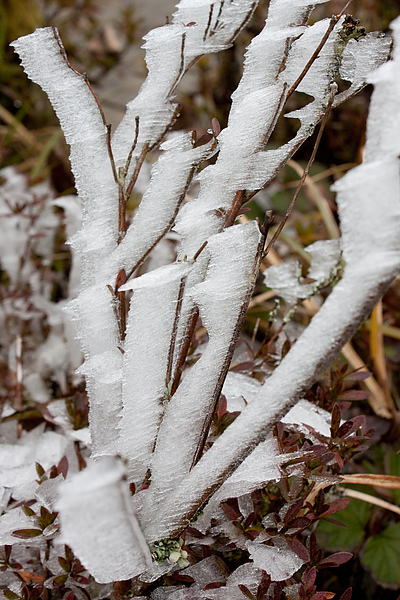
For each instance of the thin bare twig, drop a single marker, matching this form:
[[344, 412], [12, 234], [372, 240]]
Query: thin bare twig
[[129, 159], [187, 339], [168, 226], [136, 172], [272, 125], [181, 66], [306, 171], [86, 80], [174, 333], [333, 21], [216, 24], [210, 14]]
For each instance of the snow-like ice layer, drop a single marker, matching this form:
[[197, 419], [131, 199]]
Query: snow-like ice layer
[[17, 519], [103, 374], [18, 460], [229, 279], [147, 346], [286, 278], [325, 255], [360, 58], [279, 561], [247, 575], [239, 390], [97, 522], [305, 413], [72, 208]]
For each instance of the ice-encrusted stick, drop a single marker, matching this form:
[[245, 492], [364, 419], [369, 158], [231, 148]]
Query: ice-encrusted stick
[[223, 298], [152, 316]]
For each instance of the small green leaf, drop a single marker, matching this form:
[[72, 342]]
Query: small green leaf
[[10, 595], [39, 469], [26, 533], [28, 511], [382, 555]]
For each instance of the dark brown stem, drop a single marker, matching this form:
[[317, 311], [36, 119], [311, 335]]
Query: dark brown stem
[[86, 80], [210, 14], [305, 173], [136, 172], [169, 225], [174, 332], [181, 66], [271, 127], [235, 208], [128, 160], [194, 315], [334, 20]]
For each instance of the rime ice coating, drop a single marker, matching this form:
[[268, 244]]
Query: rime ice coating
[[94, 506], [150, 325], [371, 249]]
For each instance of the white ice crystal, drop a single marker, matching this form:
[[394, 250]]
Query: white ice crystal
[[97, 522]]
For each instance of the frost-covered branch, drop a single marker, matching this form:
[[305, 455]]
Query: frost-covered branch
[[371, 249]]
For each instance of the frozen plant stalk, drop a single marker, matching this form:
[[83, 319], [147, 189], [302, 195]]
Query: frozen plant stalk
[[119, 364]]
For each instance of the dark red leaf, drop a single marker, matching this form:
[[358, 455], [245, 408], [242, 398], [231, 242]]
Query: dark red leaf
[[70, 596], [246, 591], [81, 580], [309, 577], [293, 510], [216, 127], [214, 585], [300, 523], [334, 560], [249, 520], [334, 522], [354, 395], [229, 511], [26, 533], [335, 419], [358, 376], [322, 596], [62, 467], [337, 505], [347, 594], [297, 547], [264, 585]]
